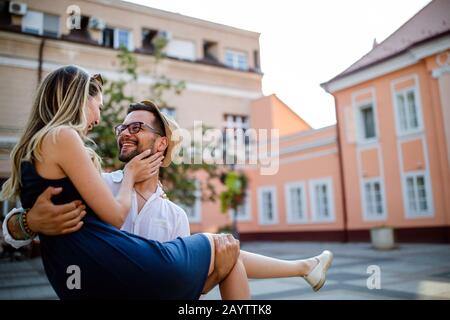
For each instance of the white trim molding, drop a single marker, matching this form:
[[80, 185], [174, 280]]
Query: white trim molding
[[291, 217], [315, 215], [262, 220]]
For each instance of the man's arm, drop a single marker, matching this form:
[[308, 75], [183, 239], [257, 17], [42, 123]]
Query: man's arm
[[46, 218], [227, 250]]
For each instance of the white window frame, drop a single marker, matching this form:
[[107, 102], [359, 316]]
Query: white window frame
[[130, 45], [290, 217], [399, 130], [236, 54], [360, 122], [429, 194], [367, 215], [261, 216], [245, 207], [328, 181], [197, 207]]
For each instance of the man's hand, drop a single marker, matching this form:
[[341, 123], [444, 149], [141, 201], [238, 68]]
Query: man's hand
[[49, 219], [227, 250]]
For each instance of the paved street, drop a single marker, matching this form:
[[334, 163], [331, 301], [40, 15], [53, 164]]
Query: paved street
[[413, 271]]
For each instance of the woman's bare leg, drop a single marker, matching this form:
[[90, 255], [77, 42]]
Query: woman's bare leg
[[262, 267], [235, 285]]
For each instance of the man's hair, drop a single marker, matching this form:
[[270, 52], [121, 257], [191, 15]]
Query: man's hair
[[152, 108]]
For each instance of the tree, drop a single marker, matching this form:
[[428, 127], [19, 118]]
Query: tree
[[234, 195], [178, 179]]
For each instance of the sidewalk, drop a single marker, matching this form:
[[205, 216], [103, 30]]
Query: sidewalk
[[413, 271]]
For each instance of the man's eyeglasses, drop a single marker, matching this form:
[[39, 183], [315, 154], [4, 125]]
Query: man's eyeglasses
[[133, 128]]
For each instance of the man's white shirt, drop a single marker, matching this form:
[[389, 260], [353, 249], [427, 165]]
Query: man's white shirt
[[159, 219]]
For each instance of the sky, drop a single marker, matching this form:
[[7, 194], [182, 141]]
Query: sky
[[304, 43]]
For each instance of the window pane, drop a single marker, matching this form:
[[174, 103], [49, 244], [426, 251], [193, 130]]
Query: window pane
[[369, 200], [296, 203], [123, 38], [368, 122], [51, 25], [401, 112], [421, 192], [411, 194], [412, 112], [268, 205], [378, 198]]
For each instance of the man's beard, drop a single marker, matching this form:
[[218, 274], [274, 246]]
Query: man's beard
[[128, 156], [131, 154]]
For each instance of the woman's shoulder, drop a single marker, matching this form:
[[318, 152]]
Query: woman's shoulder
[[63, 135]]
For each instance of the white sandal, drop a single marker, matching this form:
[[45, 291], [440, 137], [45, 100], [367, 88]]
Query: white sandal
[[317, 277]]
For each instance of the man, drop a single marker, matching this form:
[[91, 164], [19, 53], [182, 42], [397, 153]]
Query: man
[[151, 213]]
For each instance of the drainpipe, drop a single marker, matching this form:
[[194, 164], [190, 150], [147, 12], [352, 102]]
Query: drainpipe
[[40, 61], [341, 172]]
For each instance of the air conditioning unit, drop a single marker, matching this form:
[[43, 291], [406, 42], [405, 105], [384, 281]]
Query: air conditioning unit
[[96, 23], [17, 8], [165, 34]]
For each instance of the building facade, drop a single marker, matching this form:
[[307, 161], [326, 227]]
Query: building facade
[[385, 162]]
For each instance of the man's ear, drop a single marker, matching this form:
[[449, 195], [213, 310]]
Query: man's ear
[[162, 143]]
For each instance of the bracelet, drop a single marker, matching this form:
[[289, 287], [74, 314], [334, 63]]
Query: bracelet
[[23, 223]]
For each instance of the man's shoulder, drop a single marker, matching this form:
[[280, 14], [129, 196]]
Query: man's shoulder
[[114, 176], [174, 208]]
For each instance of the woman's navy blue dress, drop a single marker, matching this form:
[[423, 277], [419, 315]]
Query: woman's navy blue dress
[[114, 263]]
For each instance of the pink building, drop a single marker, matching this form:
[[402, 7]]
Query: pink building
[[386, 162]]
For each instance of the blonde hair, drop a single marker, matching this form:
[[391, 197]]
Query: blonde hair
[[60, 101]]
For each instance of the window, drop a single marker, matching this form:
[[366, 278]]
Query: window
[[256, 59], [181, 49], [116, 38], [267, 205], [239, 139], [236, 60], [373, 200], [295, 202], [322, 200], [367, 121], [108, 38], [210, 51], [168, 111], [407, 112], [41, 24], [236, 122], [123, 38], [418, 202], [148, 35], [194, 212]]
